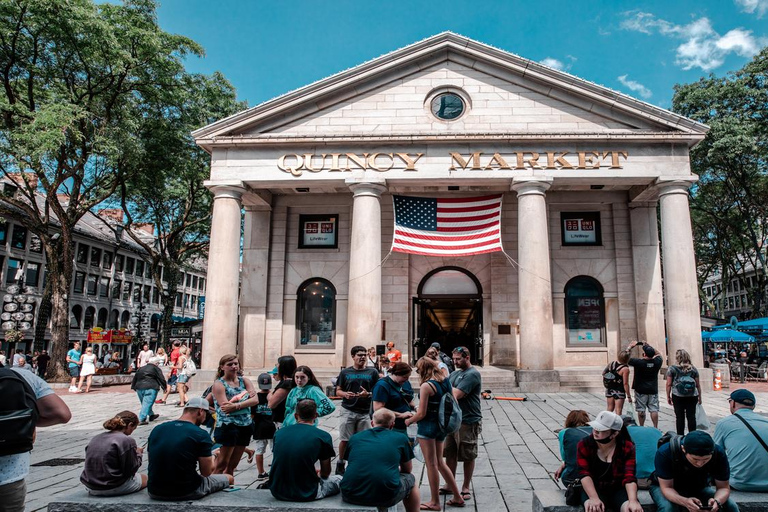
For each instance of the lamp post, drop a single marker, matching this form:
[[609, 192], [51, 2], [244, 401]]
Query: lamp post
[[18, 309]]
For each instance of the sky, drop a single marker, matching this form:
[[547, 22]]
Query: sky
[[267, 48]]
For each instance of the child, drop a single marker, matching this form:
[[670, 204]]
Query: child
[[263, 426]]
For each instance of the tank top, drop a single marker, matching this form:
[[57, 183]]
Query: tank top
[[433, 403], [241, 417]]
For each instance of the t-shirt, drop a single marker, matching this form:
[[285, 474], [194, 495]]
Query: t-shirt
[[370, 484], [42, 362], [569, 441], [296, 449], [396, 398], [646, 440], [354, 381], [111, 460], [15, 467], [746, 456], [469, 382], [394, 356], [278, 412], [74, 355], [144, 357], [175, 354], [174, 448], [263, 426], [646, 375], [676, 372], [688, 479]]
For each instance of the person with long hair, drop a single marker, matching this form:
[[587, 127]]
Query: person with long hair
[[186, 368], [606, 467], [233, 397], [433, 353], [283, 374], [112, 459], [88, 369], [307, 387], [683, 391], [575, 429], [616, 382], [434, 384]]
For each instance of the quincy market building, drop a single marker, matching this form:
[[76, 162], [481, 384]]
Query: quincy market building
[[580, 169]]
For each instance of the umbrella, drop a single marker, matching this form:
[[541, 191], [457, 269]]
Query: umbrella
[[726, 336]]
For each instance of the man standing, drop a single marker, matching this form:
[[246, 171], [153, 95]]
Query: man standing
[[462, 444], [147, 382], [393, 355], [176, 449], [144, 356], [646, 383], [295, 451], [740, 435], [354, 386], [42, 363], [683, 473], [389, 480], [73, 360], [14, 467]]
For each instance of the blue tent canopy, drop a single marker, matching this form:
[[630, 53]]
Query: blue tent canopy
[[726, 336]]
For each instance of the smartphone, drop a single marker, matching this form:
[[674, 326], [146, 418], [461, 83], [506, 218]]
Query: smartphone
[[705, 507], [234, 488]]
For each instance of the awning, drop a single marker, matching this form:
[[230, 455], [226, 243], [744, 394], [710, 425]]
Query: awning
[[726, 336]]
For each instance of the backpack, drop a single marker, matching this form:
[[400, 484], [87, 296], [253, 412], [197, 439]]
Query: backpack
[[18, 413], [612, 379], [684, 384], [189, 367], [675, 446], [448, 413], [447, 361]]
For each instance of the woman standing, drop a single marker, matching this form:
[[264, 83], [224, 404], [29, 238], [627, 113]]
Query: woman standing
[[186, 369], [683, 391], [434, 384], [112, 459], [233, 397], [395, 393], [372, 361], [88, 365], [307, 387], [283, 373], [606, 462], [616, 382]]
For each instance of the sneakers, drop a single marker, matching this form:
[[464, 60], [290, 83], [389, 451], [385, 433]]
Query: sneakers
[[145, 422], [264, 475], [340, 468], [72, 389], [153, 417]]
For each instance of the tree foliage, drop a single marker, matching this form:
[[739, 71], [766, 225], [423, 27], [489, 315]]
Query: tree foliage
[[730, 203]]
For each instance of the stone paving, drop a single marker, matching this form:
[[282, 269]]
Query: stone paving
[[518, 453]]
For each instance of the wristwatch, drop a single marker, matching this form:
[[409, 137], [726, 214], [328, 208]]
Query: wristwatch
[[719, 505]]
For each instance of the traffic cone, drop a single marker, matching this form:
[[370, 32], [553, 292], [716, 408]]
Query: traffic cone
[[717, 383]]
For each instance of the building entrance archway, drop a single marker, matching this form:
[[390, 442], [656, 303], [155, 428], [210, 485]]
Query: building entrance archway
[[448, 310]]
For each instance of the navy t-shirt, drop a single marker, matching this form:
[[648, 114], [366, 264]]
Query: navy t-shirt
[[396, 398], [296, 449], [174, 448], [354, 381], [688, 479]]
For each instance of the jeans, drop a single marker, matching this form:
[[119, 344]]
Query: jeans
[[147, 398], [664, 505]]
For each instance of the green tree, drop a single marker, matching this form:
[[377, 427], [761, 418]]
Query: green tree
[[730, 203], [77, 80]]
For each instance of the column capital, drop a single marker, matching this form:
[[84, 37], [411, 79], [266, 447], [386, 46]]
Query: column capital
[[367, 188], [667, 186], [525, 186], [230, 189]]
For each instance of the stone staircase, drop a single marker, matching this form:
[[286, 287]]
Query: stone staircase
[[581, 379]]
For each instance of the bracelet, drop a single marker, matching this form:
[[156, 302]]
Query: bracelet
[[719, 505]]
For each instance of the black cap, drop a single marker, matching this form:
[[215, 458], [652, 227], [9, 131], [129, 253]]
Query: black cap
[[435, 345]]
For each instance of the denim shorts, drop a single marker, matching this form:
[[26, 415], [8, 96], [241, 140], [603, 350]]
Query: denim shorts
[[428, 429], [74, 371], [183, 379]]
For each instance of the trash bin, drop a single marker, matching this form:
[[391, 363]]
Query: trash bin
[[725, 373]]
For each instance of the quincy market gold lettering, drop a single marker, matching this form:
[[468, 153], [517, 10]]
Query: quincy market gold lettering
[[297, 164]]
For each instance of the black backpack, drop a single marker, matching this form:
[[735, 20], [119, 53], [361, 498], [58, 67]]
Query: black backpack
[[448, 361], [18, 413], [612, 379]]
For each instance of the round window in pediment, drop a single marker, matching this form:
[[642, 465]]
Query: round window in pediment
[[447, 106]]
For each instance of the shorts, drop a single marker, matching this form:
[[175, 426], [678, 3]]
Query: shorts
[[128, 487], [173, 379], [462, 444], [230, 434], [328, 487], [261, 446], [407, 483], [643, 402], [615, 394], [209, 485], [183, 379], [351, 423], [429, 429], [74, 371]]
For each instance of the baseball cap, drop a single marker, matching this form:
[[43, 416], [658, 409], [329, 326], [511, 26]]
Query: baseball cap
[[607, 420], [273, 371], [744, 397], [435, 345], [265, 381], [649, 350], [197, 403], [698, 443]]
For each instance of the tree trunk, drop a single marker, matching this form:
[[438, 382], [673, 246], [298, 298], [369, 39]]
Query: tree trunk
[[43, 315], [60, 276], [171, 273]]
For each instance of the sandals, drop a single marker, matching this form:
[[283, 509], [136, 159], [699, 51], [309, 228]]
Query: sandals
[[426, 506], [466, 495], [454, 503]]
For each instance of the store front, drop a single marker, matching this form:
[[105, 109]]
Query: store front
[[450, 192]]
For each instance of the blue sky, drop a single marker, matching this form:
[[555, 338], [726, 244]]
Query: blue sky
[[639, 48]]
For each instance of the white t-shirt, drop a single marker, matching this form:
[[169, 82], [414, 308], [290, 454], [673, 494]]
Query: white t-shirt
[[144, 357], [16, 467], [2, 359]]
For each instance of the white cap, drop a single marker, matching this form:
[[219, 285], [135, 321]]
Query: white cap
[[607, 420], [197, 403]]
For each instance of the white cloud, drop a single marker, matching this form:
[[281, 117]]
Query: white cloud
[[553, 63], [637, 87], [702, 46], [752, 6]]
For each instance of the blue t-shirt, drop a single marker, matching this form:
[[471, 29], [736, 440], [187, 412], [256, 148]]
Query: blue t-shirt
[[746, 455], [395, 397], [74, 355], [646, 440], [690, 480], [569, 442]]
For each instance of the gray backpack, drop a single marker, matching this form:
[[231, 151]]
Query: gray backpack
[[685, 384]]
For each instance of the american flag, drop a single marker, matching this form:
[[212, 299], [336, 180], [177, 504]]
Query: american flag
[[447, 226]]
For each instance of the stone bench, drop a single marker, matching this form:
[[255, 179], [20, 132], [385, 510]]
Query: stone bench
[[554, 501], [243, 500]]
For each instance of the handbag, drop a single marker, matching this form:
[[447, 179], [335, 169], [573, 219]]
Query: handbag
[[573, 493]]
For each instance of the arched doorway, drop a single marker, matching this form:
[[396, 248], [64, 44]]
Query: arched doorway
[[449, 310]]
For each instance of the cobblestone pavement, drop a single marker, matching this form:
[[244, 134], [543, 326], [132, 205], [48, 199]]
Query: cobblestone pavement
[[518, 452]]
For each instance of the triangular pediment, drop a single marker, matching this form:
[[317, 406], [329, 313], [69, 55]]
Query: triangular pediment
[[504, 94]]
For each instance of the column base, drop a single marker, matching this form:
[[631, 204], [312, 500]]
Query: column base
[[538, 381]]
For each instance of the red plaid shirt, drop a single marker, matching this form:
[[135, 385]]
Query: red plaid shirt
[[622, 466]]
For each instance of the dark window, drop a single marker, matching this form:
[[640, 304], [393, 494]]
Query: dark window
[[129, 265], [189, 280], [148, 271], [119, 260], [102, 319], [76, 317], [79, 282], [92, 283], [95, 256], [33, 274], [127, 291], [12, 273], [139, 268], [3, 232], [202, 284], [35, 244], [125, 319], [90, 316], [147, 293], [155, 296], [104, 287], [585, 310], [316, 312], [19, 237], [114, 318], [447, 106], [179, 298], [82, 253], [116, 287], [107, 263], [194, 282]]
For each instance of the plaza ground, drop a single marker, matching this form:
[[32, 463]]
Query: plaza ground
[[518, 450]]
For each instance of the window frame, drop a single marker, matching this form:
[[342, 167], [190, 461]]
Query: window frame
[[300, 309], [571, 284]]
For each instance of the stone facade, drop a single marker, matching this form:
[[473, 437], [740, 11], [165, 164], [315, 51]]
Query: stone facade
[[550, 143]]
